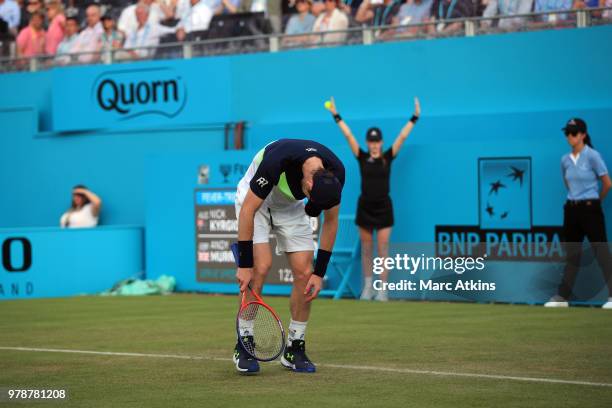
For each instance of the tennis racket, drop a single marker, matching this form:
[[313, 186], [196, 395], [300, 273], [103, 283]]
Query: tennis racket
[[263, 324]]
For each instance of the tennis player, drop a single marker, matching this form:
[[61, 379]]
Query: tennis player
[[270, 198]]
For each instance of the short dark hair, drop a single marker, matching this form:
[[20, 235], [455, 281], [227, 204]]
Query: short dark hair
[[322, 172], [85, 199], [37, 14]]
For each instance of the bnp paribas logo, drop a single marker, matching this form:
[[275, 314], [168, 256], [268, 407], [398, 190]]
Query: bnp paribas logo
[[129, 93], [504, 193], [505, 213]]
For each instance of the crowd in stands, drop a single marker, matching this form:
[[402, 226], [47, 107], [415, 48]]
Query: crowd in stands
[[56, 28]]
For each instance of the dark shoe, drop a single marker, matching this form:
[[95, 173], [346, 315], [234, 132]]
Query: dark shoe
[[245, 363], [295, 358]]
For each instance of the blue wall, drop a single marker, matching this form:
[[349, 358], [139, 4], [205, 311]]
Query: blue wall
[[52, 262], [489, 96]]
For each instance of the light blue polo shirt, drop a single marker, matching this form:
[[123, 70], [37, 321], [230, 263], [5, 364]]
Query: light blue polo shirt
[[582, 178], [298, 26]]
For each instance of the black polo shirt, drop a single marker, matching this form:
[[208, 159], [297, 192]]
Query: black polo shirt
[[281, 165]]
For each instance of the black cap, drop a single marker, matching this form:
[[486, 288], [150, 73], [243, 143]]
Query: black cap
[[575, 125], [325, 194], [374, 135]]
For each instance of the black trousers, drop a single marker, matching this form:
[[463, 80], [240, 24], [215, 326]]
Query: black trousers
[[582, 219]]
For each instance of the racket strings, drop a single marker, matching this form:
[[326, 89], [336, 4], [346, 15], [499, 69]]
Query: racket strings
[[267, 335]]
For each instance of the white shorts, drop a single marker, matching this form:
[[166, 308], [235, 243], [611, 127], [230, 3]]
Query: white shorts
[[279, 215]]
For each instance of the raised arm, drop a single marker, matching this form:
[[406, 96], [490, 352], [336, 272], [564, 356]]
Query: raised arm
[[96, 202], [403, 135], [229, 6], [246, 221], [346, 131]]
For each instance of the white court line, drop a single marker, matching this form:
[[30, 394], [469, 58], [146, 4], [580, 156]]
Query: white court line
[[339, 366]]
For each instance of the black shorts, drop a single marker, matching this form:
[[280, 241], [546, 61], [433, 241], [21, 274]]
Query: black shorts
[[374, 214]]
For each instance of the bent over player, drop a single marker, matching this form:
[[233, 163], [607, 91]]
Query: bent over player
[[270, 198]]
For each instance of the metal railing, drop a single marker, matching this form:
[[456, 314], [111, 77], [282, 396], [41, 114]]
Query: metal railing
[[367, 35]]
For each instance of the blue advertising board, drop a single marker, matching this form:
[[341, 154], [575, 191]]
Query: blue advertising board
[[53, 262], [140, 95]]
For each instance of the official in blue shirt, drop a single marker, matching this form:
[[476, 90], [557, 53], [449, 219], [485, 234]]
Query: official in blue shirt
[[582, 169]]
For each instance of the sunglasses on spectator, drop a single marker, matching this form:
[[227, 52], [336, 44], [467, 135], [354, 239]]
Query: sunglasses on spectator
[[572, 134]]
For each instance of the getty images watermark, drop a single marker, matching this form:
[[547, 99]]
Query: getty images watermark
[[413, 264]]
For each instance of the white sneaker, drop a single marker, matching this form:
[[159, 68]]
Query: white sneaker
[[608, 304], [556, 301], [367, 293], [382, 296]]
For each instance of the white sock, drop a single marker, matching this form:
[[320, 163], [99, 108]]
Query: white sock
[[367, 283], [246, 327], [297, 331]]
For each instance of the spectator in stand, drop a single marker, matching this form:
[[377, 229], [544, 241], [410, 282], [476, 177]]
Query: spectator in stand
[[146, 34], [588, 4], [349, 7], [84, 209], [71, 34], [450, 9], [57, 23], [331, 19], [378, 12], [31, 40], [543, 6], [606, 13], [507, 8], [197, 19], [413, 12], [10, 12], [582, 4], [271, 8], [27, 9], [112, 39], [89, 40], [301, 23], [158, 12]]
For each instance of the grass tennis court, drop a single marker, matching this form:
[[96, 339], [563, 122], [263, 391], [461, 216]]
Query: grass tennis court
[[368, 354]]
